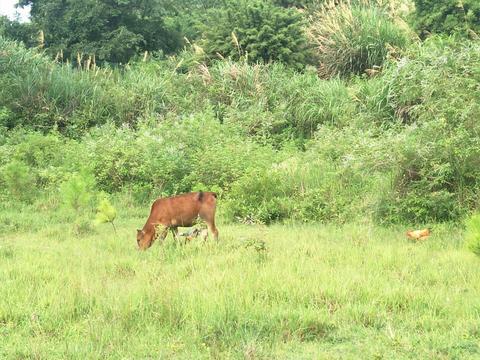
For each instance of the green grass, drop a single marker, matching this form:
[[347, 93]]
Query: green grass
[[315, 292]]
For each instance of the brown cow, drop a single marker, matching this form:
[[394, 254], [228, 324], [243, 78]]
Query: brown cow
[[173, 212]]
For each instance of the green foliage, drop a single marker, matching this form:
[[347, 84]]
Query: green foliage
[[18, 180], [52, 96], [14, 30], [269, 102], [434, 90], [274, 104], [312, 186], [49, 157], [188, 15], [297, 3], [77, 191], [257, 31], [447, 17], [259, 196], [472, 236], [5, 116], [438, 77], [48, 96], [112, 31], [352, 38], [373, 102], [172, 157], [106, 213], [277, 145]]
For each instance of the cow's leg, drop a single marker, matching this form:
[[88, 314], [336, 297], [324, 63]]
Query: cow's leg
[[204, 234], [209, 218], [212, 229]]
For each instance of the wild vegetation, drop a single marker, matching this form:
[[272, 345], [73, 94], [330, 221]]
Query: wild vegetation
[[339, 124], [284, 292]]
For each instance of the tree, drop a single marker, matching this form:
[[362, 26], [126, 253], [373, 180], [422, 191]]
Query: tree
[[258, 31], [188, 15], [112, 30], [447, 16], [15, 30], [106, 213], [302, 4]]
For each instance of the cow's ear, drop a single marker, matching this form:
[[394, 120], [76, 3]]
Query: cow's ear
[[139, 231]]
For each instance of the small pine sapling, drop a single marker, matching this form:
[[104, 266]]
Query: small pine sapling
[[472, 235], [106, 213]]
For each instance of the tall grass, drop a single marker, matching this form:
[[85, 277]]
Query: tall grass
[[351, 38]]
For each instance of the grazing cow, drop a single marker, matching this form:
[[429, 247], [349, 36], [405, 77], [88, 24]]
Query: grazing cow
[[178, 211]]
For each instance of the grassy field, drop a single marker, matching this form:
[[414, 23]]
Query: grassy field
[[279, 292]]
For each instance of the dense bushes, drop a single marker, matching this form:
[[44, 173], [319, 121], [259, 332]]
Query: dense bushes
[[164, 159], [44, 96], [420, 164], [257, 31], [439, 77], [267, 101], [24, 32], [447, 16], [272, 102], [435, 89], [274, 143], [172, 157]]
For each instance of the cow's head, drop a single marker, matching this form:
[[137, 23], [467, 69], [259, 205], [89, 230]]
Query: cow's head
[[144, 240]]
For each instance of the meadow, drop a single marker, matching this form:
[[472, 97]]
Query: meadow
[[327, 129], [277, 292]]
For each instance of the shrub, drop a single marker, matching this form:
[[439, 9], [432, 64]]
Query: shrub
[[433, 175], [435, 90], [77, 192], [18, 180], [48, 96], [446, 16], [337, 179], [258, 196], [473, 233], [301, 4], [49, 157], [275, 104], [352, 38], [40, 151], [257, 31], [307, 103], [373, 105], [171, 157], [106, 213], [437, 77], [5, 118]]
